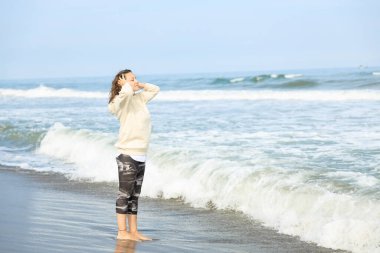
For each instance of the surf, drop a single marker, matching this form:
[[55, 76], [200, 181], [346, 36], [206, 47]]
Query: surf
[[204, 95], [299, 202]]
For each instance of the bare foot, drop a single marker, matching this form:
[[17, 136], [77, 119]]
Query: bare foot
[[141, 236], [124, 235]]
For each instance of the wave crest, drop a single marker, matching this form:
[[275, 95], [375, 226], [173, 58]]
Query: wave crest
[[305, 95], [255, 79], [45, 91], [195, 95]]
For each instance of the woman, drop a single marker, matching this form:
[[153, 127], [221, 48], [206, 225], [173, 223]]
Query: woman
[[135, 128]]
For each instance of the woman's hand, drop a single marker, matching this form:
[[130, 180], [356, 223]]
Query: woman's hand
[[121, 81]]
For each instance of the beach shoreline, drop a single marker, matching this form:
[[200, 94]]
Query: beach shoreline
[[45, 211]]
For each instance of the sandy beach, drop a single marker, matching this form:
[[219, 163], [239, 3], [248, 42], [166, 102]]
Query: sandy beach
[[45, 212]]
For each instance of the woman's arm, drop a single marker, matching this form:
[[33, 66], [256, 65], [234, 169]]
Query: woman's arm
[[150, 91], [121, 100]]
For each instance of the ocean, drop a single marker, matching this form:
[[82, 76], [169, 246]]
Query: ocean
[[296, 150]]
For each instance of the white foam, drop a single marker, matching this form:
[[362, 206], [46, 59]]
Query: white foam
[[376, 73], [236, 80], [310, 95], [292, 75], [197, 95], [91, 153], [283, 199], [357, 177], [44, 91]]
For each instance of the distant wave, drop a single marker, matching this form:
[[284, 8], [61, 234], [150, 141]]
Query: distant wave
[[45, 91], [255, 79], [298, 84], [376, 73], [195, 95], [236, 80], [308, 95], [375, 85], [292, 75]]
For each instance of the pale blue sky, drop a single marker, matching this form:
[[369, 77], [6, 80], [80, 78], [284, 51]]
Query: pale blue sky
[[47, 38]]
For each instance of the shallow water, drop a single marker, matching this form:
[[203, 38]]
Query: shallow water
[[45, 212]]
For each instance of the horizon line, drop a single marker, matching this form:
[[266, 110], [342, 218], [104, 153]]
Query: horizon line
[[195, 73]]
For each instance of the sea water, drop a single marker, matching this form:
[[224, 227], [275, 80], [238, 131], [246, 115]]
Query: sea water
[[296, 150]]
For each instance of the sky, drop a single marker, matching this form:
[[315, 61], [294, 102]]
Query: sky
[[78, 38]]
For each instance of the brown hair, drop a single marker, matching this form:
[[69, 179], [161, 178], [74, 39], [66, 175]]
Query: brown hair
[[115, 88]]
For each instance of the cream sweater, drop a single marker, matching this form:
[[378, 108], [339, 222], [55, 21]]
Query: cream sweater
[[135, 124]]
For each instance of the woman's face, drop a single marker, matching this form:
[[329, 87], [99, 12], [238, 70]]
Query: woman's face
[[131, 78]]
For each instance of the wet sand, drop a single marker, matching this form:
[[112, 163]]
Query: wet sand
[[46, 212]]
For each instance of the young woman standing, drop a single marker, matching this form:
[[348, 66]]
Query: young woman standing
[[134, 133]]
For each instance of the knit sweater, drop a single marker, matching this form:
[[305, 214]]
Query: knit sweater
[[135, 123]]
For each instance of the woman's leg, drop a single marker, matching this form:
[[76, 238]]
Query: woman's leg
[[133, 202], [122, 232], [127, 175]]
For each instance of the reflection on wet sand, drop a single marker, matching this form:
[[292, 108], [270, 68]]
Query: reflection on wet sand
[[125, 246]]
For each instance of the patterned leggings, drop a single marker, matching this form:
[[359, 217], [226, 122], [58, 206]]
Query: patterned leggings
[[131, 175]]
